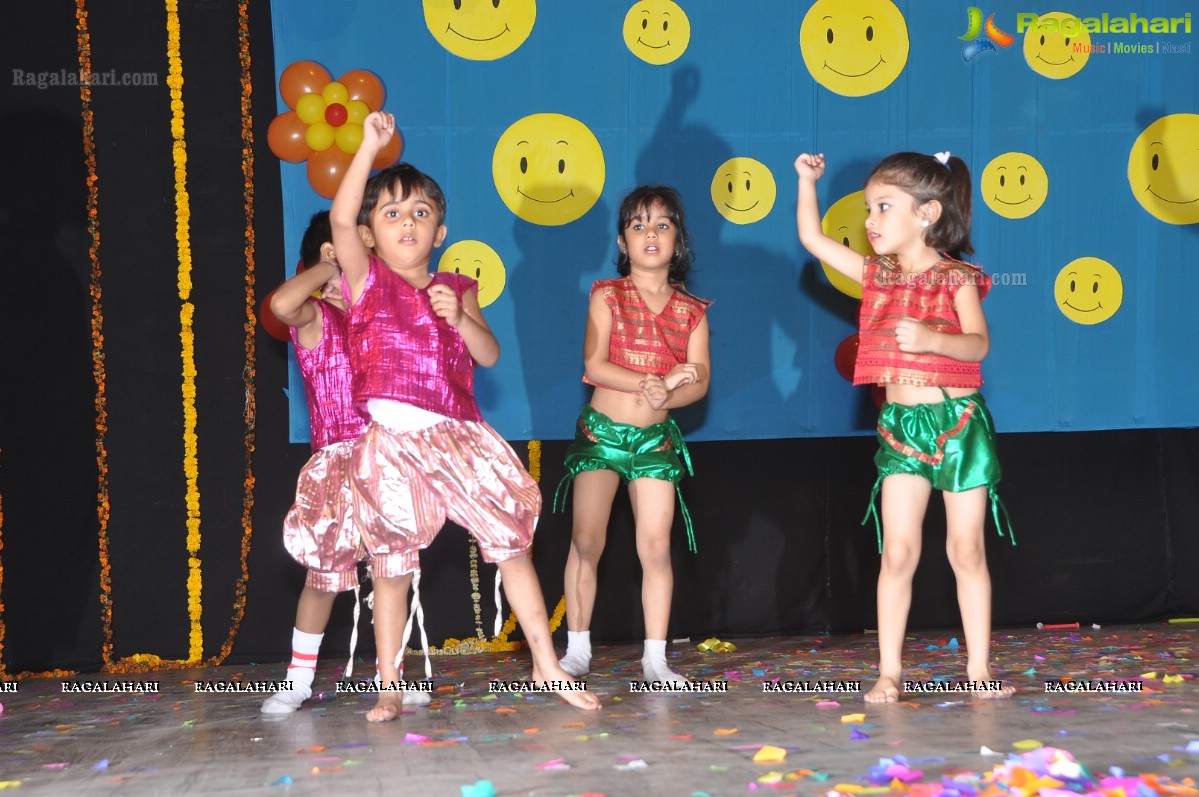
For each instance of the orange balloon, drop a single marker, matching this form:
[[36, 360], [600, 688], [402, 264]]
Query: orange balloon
[[300, 78], [273, 326], [285, 137], [363, 85], [325, 170], [390, 152]]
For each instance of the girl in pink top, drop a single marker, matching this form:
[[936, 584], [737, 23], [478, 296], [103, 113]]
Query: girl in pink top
[[923, 335]]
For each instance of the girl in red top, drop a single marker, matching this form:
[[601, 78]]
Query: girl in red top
[[646, 352], [922, 335]]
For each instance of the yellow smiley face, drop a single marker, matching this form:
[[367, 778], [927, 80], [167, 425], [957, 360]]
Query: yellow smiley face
[[656, 31], [480, 30], [1163, 168], [548, 168], [481, 263], [854, 47], [1088, 290], [1057, 46], [845, 221], [1014, 185], [743, 190]]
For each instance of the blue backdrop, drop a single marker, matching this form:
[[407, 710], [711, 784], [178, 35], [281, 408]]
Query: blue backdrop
[[742, 87]]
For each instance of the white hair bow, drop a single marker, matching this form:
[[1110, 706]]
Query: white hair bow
[[942, 157]]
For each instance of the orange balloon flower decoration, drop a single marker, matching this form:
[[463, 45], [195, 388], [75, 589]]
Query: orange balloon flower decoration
[[324, 125]]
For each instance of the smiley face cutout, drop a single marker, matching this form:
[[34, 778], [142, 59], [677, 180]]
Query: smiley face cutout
[[480, 30], [1163, 168], [845, 221], [548, 168], [481, 263], [1014, 185], [854, 47], [1088, 290], [656, 31], [743, 190], [1049, 45]]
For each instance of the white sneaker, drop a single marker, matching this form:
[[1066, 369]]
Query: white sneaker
[[574, 664], [658, 672], [413, 697], [287, 702]]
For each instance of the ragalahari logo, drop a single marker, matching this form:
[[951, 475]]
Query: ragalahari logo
[[976, 44]]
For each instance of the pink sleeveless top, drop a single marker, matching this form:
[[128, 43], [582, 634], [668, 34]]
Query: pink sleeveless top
[[641, 340], [888, 295], [327, 376], [402, 351]]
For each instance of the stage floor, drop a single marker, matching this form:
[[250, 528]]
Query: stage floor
[[181, 741]]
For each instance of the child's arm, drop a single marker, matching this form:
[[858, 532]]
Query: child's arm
[[467, 317], [291, 302], [352, 253], [807, 219], [972, 345], [597, 343], [688, 383]]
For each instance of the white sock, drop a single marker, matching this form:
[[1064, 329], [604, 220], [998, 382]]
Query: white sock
[[655, 650], [300, 674], [653, 663], [577, 660]]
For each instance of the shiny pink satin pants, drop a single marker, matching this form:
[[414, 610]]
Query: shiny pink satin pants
[[320, 531], [407, 484]]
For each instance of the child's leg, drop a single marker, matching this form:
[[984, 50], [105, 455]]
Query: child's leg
[[486, 490], [965, 519], [313, 610], [653, 513], [904, 500], [312, 615], [524, 595], [594, 491], [391, 613]]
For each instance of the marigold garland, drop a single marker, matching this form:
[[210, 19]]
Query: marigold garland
[[249, 371], [191, 468], [84, 45], [535, 460]]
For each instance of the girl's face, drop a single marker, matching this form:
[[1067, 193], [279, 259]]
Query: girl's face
[[894, 223], [649, 238]]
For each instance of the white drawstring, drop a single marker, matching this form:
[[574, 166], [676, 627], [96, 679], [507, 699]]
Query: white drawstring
[[354, 631], [499, 606], [417, 610]]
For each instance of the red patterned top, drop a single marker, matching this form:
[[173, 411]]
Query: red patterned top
[[644, 341], [889, 295]]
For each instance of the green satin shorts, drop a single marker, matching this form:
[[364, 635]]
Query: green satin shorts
[[950, 443], [635, 452]]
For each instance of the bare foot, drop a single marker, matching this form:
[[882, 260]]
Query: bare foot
[[1005, 689], [579, 698], [387, 709], [886, 690]]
